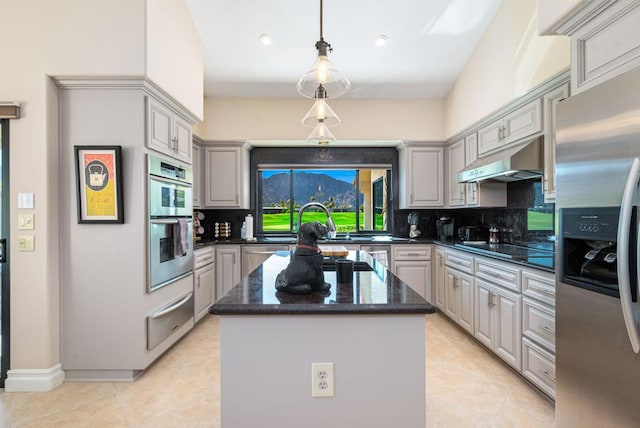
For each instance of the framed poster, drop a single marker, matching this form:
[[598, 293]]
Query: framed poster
[[99, 184]]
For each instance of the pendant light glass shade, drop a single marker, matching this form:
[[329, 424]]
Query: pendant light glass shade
[[321, 134], [324, 73], [321, 111]]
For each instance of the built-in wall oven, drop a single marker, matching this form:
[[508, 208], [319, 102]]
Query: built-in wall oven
[[170, 247]]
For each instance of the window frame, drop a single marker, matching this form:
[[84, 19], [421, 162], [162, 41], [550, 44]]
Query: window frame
[[325, 158]]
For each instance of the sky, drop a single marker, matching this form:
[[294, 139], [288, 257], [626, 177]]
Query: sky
[[344, 175]]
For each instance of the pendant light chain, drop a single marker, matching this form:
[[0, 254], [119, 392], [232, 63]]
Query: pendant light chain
[[321, 14]]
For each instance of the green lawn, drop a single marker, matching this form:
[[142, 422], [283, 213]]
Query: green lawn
[[539, 221], [345, 222]]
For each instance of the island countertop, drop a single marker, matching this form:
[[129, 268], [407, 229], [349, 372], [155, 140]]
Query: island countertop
[[376, 291]]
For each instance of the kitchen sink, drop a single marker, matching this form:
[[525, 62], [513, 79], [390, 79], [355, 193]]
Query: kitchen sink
[[286, 239]]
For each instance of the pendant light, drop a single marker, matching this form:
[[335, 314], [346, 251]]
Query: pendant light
[[323, 72], [321, 134], [321, 111]]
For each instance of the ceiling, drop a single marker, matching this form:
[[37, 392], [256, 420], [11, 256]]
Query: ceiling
[[428, 44]]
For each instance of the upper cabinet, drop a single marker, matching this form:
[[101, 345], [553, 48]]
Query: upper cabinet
[[226, 176], [455, 163], [551, 100], [514, 126], [421, 176], [605, 40], [197, 173], [167, 132]]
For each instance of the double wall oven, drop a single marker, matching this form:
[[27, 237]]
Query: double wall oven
[[170, 246]]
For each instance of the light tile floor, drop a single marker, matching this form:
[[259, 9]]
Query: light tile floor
[[466, 387]]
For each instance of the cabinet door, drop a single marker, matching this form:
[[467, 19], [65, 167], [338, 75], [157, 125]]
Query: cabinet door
[[203, 288], [425, 177], [415, 274], [228, 269], [182, 139], [551, 101], [470, 156], [440, 280], [159, 123], [223, 177], [197, 176], [466, 320], [452, 298], [483, 329], [525, 121], [489, 137], [456, 163], [508, 327]]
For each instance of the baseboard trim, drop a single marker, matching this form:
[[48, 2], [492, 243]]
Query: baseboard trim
[[34, 380]]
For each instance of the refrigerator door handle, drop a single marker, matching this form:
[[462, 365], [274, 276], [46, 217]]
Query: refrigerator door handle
[[624, 226]]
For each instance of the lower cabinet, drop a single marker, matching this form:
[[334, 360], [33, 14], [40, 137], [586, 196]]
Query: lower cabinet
[[228, 269], [440, 279], [412, 264], [508, 308], [204, 281], [497, 321], [459, 298]]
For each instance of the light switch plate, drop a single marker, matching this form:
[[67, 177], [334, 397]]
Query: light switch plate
[[25, 221], [25, 201], [26, 243]]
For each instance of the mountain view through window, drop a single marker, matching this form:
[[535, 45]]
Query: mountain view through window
[[355, 198]]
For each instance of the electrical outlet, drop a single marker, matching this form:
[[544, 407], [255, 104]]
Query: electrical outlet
[[322, 379]]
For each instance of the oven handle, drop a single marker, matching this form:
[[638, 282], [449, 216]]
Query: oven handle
[[170, 181], [168, 220], [624, 280], [172, 308]]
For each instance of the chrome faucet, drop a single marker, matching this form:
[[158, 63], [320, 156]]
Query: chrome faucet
[[331, 226]]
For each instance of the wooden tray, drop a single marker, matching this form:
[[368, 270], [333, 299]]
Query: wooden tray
[[333, 250]]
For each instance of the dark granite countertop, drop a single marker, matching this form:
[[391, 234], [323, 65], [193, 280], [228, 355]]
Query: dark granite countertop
[[377, 291], [285, 240]]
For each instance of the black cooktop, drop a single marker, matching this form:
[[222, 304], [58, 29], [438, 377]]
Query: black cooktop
[[540, 253]]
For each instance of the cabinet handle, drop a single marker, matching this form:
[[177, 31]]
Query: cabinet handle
[[411, 198], [500, 133], [546, 329], [547, 374], [545, 185], [175, 144], [543, 291], [198, 282]]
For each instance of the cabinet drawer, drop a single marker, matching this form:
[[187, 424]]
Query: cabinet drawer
[[203, 256], [540, 286], [411, 252], [539, 323], [459, 261], [539, 366], [498, 273]]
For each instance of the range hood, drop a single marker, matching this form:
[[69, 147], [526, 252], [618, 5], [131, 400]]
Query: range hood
[[520, 162]]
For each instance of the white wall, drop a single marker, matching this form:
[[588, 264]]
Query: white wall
[[175, 53], [509, 60], [42, 38], [279, 119], [552, 11]]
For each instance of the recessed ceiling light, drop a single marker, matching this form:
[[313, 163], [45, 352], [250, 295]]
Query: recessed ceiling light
[[266, 39], [381, 40]]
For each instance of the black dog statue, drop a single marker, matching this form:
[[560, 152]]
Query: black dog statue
[[304, 273]]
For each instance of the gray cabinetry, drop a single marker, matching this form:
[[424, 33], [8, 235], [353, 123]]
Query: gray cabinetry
[[412, 264], [228, 268], [226, 176], [197, 173], [514, 126], [551, 100], [167, 132], [421, 177], [203, 280]]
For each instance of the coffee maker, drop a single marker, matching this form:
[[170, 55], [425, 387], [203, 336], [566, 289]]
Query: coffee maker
[[413, 219], [446, 228]]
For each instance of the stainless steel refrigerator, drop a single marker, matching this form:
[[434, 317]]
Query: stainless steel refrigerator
[[597, 309]]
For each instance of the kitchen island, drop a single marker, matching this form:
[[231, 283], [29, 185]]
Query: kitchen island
[[372, 330]]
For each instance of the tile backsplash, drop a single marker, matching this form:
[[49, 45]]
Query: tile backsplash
[[522, 197]]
